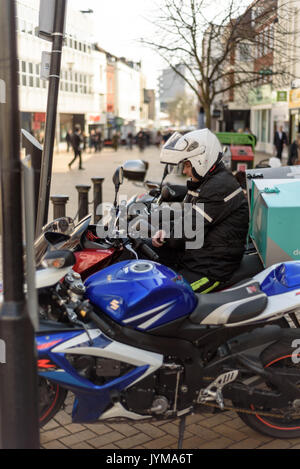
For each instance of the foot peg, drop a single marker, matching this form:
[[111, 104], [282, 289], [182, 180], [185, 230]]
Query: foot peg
[[214, 391]]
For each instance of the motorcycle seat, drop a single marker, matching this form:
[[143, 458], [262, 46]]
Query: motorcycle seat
[[250, 266], [230, 307]]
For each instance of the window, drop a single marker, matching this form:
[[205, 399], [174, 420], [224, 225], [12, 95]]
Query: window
[[245, 52], [271, 39]]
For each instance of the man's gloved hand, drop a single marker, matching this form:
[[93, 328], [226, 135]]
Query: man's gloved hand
[[159, 239]]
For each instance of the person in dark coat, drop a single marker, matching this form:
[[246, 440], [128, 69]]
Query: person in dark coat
[[78, 145], [141, 140], [216, 197], [280, 140], [130, 141], [69, 138], [294, 153]]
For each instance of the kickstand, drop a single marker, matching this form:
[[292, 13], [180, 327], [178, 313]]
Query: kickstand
[[181, 432]]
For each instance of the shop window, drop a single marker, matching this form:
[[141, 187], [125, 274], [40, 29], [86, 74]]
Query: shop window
[[30, 29], [23, 26]]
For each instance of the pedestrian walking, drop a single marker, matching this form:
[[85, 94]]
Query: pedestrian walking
[[280, 140], [130, 141], [141, 140], [294, 154], [78, 145], [158, 139], [69, 137], [99, 140], [116, 141]]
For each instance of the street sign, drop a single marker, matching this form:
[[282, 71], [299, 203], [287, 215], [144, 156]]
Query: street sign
[[46, 19], [46, 64]]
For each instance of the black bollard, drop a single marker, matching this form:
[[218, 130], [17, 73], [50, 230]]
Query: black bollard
[[59, 206], [98, 198], [83, 201]]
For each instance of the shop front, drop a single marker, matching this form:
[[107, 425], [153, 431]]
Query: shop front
[[294, 107], [96, 122], [68, 122], [269, 112], [34, 123], [260, 100], [235, 120]]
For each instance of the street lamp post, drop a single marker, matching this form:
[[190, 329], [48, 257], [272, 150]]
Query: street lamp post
[[54, 80], [18, 375]]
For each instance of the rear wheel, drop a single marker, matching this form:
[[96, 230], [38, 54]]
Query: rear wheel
[[51, 400], [287, 425]]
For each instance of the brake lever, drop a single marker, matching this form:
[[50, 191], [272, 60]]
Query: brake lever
[[72, 316], [130, 249]]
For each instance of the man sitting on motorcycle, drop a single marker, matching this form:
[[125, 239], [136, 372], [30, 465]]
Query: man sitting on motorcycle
[[215, 194]]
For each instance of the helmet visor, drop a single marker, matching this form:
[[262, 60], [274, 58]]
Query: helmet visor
[[171, 143]]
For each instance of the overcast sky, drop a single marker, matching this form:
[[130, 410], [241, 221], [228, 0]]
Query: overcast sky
[[120, 24]]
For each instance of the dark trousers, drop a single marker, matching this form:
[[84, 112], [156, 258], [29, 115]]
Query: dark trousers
[[77, 154], [279, 149]]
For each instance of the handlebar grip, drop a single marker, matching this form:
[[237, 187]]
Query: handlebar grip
[[145, 249]]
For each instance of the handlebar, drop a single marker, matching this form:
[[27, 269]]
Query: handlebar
[[145, 249], [172, 193]]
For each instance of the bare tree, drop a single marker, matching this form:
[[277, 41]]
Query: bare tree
[[227, 46], [182, 110]]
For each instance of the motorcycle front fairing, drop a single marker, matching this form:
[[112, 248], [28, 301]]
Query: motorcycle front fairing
[[54, 364]]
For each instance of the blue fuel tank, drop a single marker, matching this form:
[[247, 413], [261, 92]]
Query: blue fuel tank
[[141, 294]]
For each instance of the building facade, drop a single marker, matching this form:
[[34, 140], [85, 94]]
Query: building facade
[[82, 98]]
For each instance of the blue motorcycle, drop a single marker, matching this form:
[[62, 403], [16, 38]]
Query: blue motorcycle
[[136, 343]]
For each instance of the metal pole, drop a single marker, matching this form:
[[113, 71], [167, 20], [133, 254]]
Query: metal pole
[[98, 198], [54, 80], [18, 376]]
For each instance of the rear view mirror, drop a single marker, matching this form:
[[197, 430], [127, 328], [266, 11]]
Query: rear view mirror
[[118, 177], [135, 170]]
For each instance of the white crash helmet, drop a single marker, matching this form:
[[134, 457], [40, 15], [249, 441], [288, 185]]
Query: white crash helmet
[[201, 147]]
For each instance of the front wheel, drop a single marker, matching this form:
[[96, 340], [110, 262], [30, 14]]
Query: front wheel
[[287, 425], [51, 400]]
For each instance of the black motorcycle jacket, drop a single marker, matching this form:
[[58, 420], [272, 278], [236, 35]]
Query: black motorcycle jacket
[[220, 201]]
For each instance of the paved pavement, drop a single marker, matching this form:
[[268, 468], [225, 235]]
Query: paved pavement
[[205, 431]]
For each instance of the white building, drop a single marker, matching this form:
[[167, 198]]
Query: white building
[[127, 95], [172, 85], [82, 98]]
